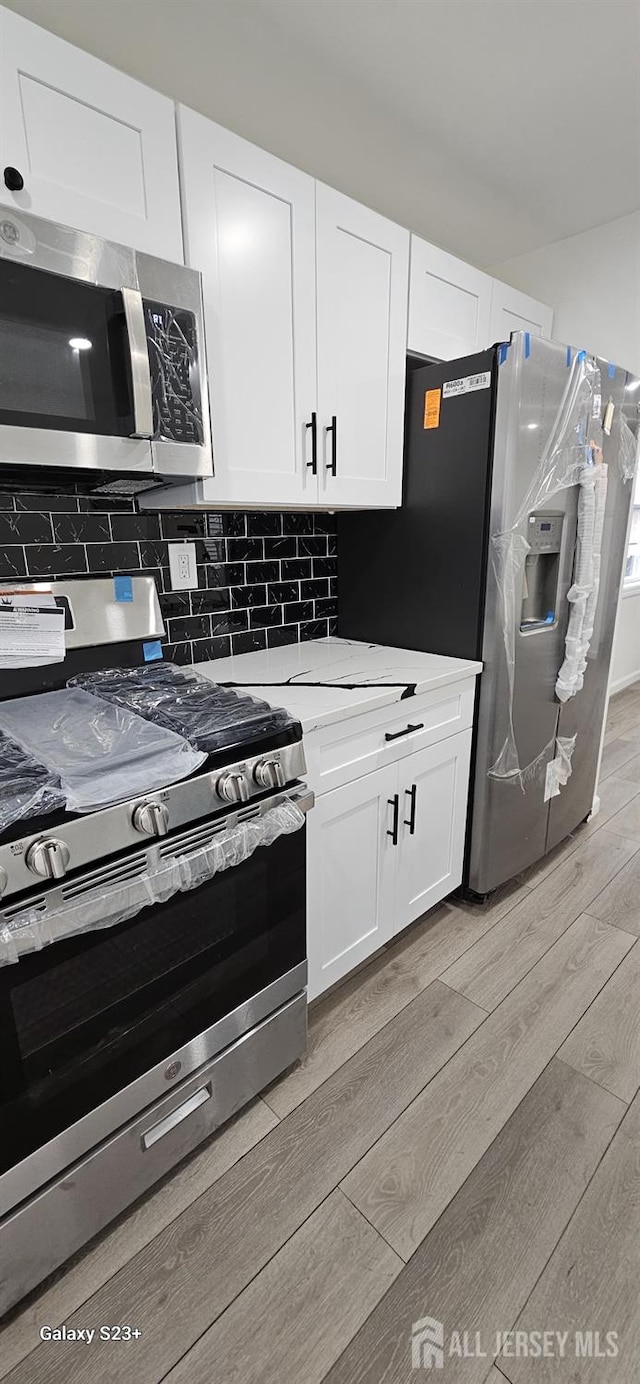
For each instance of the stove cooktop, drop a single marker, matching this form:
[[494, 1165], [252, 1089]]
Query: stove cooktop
[[251, 750]]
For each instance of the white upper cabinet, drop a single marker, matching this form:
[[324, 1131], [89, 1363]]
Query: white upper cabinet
[[362, 275], [96, 149], [305, 299], [449, 304], [249, 229], [513, 311]]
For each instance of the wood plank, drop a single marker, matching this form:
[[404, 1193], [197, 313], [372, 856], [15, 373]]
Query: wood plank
[[405, 1182], [615, 755], [619, 902], [107, 1253], [591, 1280], [194, 1269], [477, 1267], [302, 1309], [631, 768], [623, 714], [626, 822], [343, 1022], [614, 793], [536, 873], [491, 968], [605, 1044]]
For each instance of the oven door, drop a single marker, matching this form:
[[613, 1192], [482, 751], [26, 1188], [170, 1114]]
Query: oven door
[[96, 1026], [76, 387]]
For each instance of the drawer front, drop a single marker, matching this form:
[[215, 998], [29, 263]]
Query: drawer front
[[361, 744]]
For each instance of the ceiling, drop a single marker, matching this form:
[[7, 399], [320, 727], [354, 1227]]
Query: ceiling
[[489, 126]]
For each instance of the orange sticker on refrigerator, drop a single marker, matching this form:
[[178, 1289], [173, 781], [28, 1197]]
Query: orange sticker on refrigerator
[[432, 401]]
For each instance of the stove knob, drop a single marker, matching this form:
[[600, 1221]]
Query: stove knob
[[233, 787], [268, 773], [151, 819], [48, 858]]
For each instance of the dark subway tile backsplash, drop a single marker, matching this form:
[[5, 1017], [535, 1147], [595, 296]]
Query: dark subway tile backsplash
[[12, 562], [248, 643], [83, 528], [25, 528], [112, 557], [264, 579], [57, 559]]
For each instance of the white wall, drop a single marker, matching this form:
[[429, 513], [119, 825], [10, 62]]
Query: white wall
[[593, 283]]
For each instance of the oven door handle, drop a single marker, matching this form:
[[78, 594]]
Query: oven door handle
[[181, 1112], [139, 362], [303, 798]]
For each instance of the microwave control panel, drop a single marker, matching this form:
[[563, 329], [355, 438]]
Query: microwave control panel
[[172, 344]]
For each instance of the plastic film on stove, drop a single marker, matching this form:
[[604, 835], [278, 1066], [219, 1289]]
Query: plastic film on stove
[[35, 928], [210, 717], [27, 789]]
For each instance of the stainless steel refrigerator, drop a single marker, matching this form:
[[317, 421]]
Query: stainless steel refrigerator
[[517, 488]]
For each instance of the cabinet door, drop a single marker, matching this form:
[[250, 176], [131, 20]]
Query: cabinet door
[[433, 786], [351, 864], [513, 311], [96, 149], [362, 278], [449, 304], [249, 228]]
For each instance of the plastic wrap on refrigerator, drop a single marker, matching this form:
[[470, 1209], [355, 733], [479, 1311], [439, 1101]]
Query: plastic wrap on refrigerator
[[572, 456]]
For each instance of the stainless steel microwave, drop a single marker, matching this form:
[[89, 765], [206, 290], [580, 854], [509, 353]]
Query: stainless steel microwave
[[102, 368]]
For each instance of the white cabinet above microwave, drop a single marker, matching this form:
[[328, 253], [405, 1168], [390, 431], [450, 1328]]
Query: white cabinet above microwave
[[101, 360], [85, 145], [305, 295]]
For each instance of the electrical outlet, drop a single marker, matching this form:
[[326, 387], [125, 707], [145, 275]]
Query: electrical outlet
[[182, 566]]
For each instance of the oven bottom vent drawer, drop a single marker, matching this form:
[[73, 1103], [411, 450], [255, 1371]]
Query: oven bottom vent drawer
[[57, 1221]]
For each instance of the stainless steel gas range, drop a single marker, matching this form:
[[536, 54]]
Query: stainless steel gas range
[[152, 949]]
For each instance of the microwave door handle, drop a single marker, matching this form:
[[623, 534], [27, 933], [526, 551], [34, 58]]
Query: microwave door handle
[[139, 360]]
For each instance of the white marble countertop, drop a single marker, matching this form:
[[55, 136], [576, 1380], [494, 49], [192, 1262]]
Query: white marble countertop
[[326, 680]]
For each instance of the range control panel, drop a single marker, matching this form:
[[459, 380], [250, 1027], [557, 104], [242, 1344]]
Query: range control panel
[[544, 532]]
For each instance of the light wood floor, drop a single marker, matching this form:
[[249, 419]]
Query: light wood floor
[[462, 1142]]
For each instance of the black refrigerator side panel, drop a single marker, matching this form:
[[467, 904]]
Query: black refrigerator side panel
[[414, 578]]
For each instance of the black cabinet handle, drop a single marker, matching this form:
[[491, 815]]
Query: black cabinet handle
[[13, 179], [394, 802], [412, 794], [332, 428], [313, 464], [396, 734]]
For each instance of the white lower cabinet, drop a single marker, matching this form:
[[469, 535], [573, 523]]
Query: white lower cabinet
[[350, 876], [432, 787], [381, 851]]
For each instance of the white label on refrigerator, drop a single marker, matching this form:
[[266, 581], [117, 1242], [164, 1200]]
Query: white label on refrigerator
[[465, 386]]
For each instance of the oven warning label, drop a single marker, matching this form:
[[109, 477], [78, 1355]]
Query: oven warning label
[[452, 388]]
